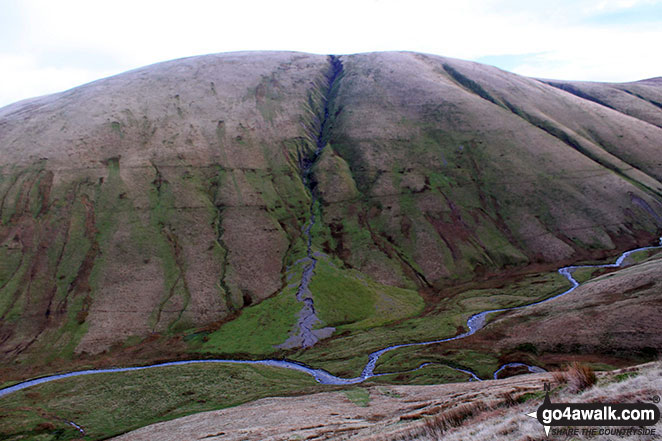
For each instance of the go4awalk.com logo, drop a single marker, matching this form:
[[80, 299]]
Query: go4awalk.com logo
[[574, 419]]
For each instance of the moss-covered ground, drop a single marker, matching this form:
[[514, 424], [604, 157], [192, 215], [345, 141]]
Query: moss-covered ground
[[347, 354], [110, 404]]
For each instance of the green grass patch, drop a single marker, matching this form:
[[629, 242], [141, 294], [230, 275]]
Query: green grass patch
[[403, 359], [624, 376], [596, 366], [431, 374], [10, 260], [584, 274], [350, 300], [12, 279], [348, 354], [389, 392], [258, 328], [358, 396], [643, 256], [528, 396], [106, 405]]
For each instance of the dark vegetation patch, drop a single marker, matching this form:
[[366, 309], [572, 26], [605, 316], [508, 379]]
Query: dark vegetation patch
[[578, 92], [470, 84]]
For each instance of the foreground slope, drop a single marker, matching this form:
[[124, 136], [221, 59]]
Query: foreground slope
[[169, 201], [467, 411]]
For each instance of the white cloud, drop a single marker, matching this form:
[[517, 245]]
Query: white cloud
[[61, 44], [598, 55], [23, 77]]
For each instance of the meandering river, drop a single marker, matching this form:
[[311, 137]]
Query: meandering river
[[474, 323]]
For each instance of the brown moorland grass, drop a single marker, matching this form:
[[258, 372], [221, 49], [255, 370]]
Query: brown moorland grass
[[580, 377], [627, 385]]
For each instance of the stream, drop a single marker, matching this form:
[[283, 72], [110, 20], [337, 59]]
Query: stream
[[305, 336], [474, 323]]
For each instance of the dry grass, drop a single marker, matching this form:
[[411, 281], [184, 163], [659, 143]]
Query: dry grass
[[453, 418], [559, 377], [579, 377], [508, 399], [438, 426], [435, 427], [512, 424]]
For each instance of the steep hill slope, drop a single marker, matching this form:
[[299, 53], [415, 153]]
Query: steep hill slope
[[190, 198]]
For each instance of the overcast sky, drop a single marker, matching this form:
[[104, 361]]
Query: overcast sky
[[51, 45]]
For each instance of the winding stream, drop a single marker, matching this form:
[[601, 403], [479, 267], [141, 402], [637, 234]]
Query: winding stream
[[532, 369], [474, 323]]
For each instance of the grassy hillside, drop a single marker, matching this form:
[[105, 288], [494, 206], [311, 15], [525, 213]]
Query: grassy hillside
[[160, 213], [105, 405]]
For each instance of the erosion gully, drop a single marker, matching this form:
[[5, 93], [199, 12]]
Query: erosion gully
[[306, 335], [318, 130]]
